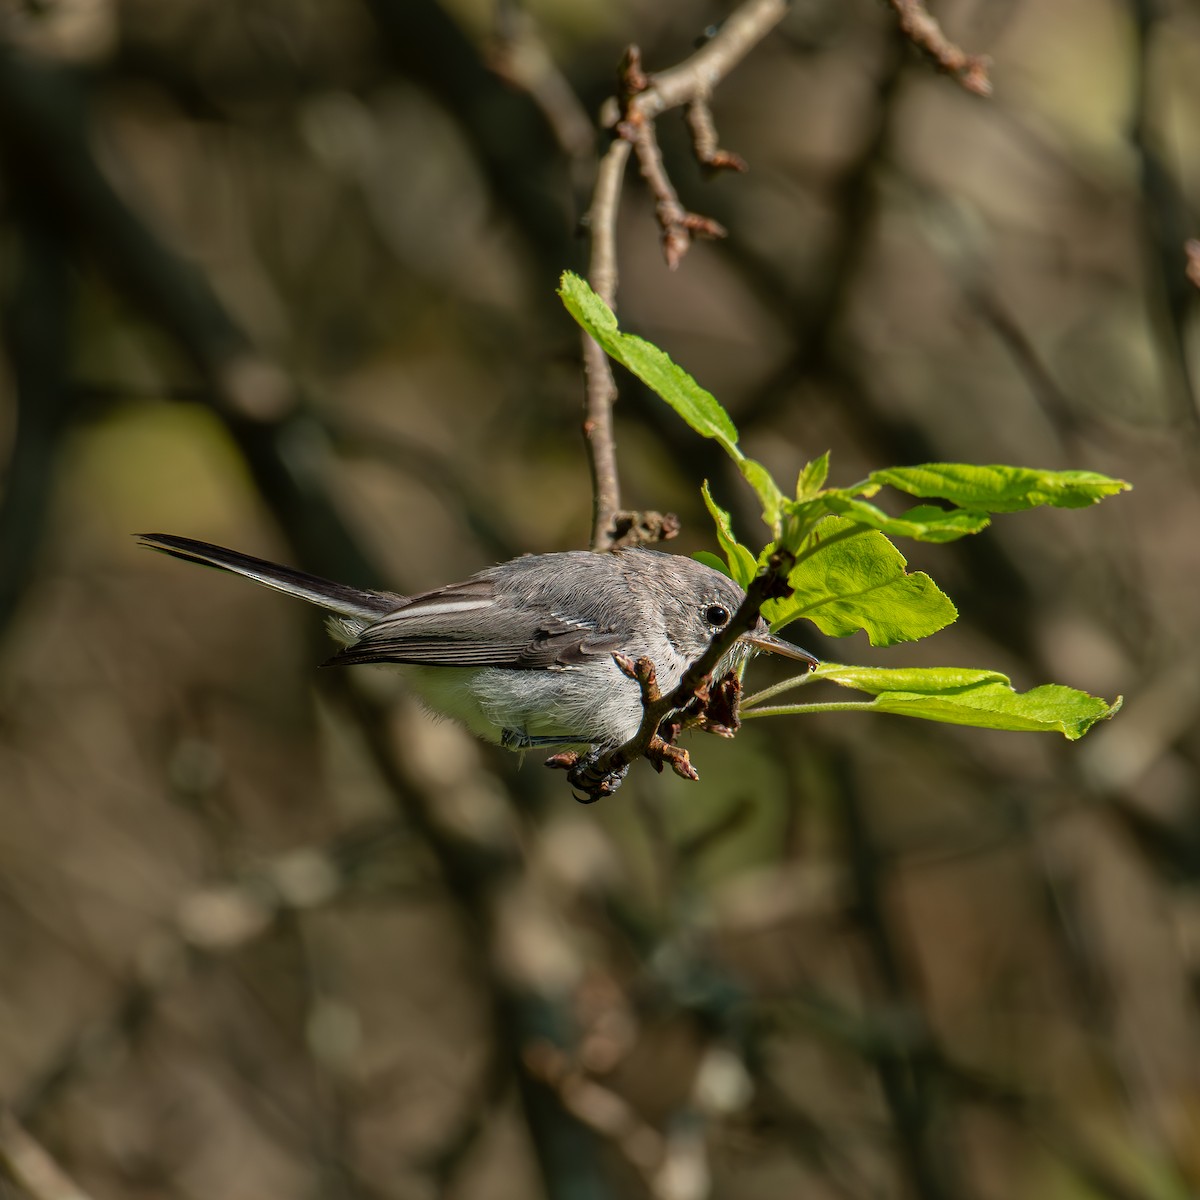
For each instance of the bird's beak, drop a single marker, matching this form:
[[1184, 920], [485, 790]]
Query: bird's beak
[[775, 645]]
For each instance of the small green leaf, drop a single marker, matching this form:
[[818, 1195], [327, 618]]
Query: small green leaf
[[924, 523], [905, 679], [812, 477], [999, 488], [853, 578], [654, 368], [742, 564], [956, 696], [1051, 708], [711, 560]]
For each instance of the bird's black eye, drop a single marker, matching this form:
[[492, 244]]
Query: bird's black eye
[[716, 615]]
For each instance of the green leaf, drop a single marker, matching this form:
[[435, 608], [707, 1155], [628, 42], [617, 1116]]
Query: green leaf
[[999, 488], [711, 560], [905, 679], [853, 578], [699, 408], [956, 696], [812, 477], [742, 564], [1051, 707], [924, 523], [655, 369]]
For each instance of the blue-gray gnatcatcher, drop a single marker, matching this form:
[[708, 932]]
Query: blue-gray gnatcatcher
[[522, 653]]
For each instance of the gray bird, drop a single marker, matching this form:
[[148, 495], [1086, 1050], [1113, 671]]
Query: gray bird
[[522, 653]]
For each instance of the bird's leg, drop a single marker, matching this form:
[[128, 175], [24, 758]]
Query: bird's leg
[[587, 786]]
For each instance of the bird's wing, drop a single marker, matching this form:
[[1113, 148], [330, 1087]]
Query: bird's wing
[[468, 625]]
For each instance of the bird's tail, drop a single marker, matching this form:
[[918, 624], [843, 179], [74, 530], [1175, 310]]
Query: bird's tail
[[337, 598]]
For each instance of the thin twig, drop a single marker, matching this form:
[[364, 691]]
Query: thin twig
[[704, 139], [643, 99], [679, 226], [601, 387], [971, 70], [696, 76], [607, 1114], [1166, 221], [905, 1068]]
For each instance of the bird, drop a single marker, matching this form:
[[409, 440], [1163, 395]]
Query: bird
[[522, 653]]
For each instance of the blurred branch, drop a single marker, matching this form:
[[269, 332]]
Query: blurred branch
[[885, 1036], [439, 472], [43, 125], [44, 133], [904, 1070], [476, 871], [507, 128], [215, 919], [604, 1112], [37, 324], [1192, 250], [44, 129], [30, 1168], [971, 70], [1166, 221], [642, 99], [519, 55]]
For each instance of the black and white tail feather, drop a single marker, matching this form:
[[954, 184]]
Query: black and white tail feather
[[353, 608]]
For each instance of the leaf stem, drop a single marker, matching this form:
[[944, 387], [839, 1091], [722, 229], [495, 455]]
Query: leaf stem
[[795, 710], [769, 693]]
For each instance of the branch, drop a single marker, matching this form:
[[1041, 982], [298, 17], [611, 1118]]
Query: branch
[[678, 225], [971, 70], [26, 1162], [518, 54], [642, 99], [595, 777], [601, 388]]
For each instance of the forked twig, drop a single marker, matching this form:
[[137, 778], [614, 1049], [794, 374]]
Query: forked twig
[[971, 70]]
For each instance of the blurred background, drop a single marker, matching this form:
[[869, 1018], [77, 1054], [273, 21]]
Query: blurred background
[[281, 276]]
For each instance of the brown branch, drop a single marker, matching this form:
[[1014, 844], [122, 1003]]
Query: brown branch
[[26, 1163], [678, 225], [704, 139], [601, 388], [971, 70], [696, 76], [606, 1113], [642, 100], [595, 777], [518, 54], [1192, 249]]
